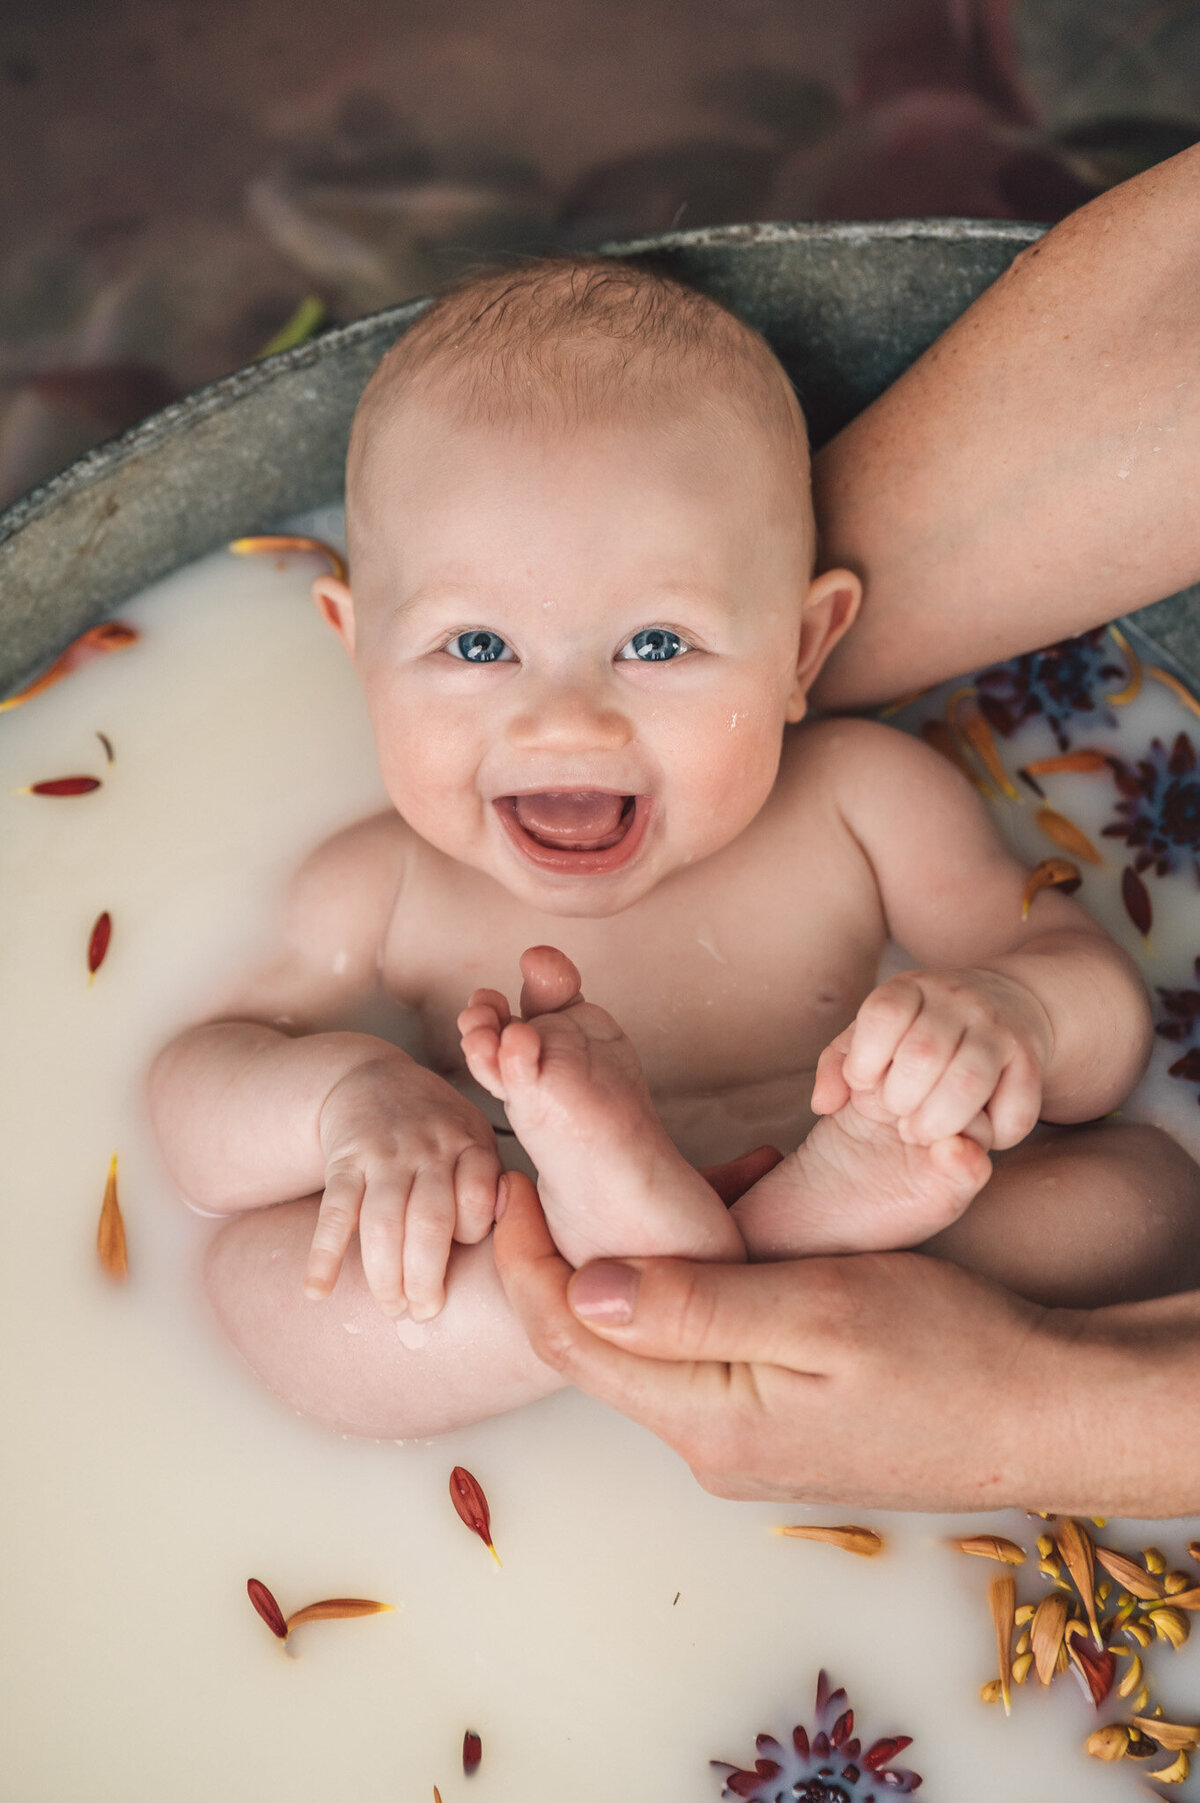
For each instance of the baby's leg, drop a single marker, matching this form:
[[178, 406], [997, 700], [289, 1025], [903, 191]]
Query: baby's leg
[[1085, 1216], [1073, 1217], [611, 1181], [347, 1364]]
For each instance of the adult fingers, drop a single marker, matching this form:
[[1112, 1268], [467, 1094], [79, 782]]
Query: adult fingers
[[535, 1277], [337, 1219], [664, 1310]]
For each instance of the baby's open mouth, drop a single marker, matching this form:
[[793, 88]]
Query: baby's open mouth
[[585, 831]]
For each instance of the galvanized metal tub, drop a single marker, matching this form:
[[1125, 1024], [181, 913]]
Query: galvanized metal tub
[[847, 307]]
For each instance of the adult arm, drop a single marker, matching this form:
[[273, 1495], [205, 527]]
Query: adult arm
[[1034, 473], [827, 1380]]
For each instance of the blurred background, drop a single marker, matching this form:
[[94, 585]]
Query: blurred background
[[187, 183]]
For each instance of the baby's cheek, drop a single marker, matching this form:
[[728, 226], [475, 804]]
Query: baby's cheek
[[731, 773]]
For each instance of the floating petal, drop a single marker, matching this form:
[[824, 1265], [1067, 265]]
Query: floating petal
[[863, 1541], [111, 635], [992, 1546], [1070, 837], [62, 785], [1136, 898], [267, 1607], [110, 1234], [337, 1608], [1051, 873], [98, 943], [1003, 1598], [1119, 697], [279, 542], [471, 1506]]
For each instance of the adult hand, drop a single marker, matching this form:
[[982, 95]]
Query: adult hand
[[881, 1380]]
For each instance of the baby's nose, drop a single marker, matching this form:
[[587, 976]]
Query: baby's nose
[[572, 718]]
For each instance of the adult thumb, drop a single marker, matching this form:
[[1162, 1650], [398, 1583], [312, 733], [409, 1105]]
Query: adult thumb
[[667, 1308]]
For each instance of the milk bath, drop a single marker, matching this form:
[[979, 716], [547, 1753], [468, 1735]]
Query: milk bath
[[638, 1628]]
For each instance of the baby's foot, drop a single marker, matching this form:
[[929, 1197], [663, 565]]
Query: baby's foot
[[855, 1186], [610, 1180]]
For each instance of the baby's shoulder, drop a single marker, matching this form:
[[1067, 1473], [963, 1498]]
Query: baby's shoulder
[[346, 890], [841, 754]]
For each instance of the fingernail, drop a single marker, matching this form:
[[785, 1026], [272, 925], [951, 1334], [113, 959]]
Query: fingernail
[[501, 1197], [604, 1291]]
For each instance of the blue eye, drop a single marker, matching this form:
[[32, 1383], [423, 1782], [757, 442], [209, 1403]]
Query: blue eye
[[654, 645], [480, 648]]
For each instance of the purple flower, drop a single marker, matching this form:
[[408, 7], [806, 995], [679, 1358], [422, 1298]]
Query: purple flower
[[1182, 1026], [829, 1768], [1059, 682], [1160, 806]]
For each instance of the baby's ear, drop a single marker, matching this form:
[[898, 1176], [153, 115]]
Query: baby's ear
[[830, 608], [335, 602]]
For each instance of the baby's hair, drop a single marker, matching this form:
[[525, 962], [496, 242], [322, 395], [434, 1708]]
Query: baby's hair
[[569, 340]]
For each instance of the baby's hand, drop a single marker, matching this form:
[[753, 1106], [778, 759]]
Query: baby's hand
[[944, 1052], [412, 1165]]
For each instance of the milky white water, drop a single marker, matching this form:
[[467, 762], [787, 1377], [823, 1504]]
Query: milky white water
[[638, 1627]]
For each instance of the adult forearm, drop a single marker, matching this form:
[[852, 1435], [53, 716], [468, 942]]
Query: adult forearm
[[236, 1108], [1112, 1408], [1099, 1017], [1034, 473]]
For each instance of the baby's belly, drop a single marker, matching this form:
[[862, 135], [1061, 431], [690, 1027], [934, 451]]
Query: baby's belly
[[712, 1127]]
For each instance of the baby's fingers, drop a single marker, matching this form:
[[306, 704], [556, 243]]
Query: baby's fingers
[[830, 1088], [428, 1231], [381, 1235], [337, 1219], [476, 1175], [1016, 1101], [964, 1088], [882, 1022]]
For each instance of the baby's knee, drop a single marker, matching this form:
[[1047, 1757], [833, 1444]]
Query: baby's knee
[[1086, 1217]]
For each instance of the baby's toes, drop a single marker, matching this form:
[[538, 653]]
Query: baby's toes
[[551, 981], [479, 1034], [493, 1000], [520, 1054]]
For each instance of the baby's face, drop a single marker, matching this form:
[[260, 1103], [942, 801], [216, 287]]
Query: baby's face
[[580, 649]]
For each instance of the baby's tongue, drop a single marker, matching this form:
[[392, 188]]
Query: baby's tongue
[[580, 818]]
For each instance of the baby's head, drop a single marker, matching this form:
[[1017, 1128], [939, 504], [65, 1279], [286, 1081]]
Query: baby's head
[[582, 605]]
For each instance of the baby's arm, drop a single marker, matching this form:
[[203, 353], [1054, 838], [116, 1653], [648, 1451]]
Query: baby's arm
[[264, 1104], [1012, 1019]]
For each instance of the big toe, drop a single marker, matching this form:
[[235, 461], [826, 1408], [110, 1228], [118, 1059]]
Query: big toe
[[551, 981]]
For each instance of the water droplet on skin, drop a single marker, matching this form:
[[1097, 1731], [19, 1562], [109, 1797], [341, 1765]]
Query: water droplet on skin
[[1122, 474], [351, 1327], [410, 1333]]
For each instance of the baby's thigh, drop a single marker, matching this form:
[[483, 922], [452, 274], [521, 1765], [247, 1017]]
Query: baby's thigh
[[1084, 1216], [347, 1364]]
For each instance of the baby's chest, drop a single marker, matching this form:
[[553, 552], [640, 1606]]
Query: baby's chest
[[718, 989]]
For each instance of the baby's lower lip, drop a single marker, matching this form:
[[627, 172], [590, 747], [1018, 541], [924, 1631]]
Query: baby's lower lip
[[589, 861]]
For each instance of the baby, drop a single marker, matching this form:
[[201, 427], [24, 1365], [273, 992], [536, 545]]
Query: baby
[[585, 620]]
